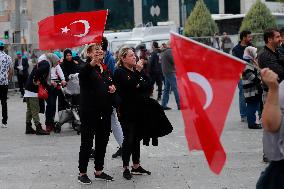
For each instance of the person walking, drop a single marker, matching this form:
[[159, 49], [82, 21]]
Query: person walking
[[238, 51], [226, 45], [252, 87], [21, 67], [57, 77], [155, 69], [39, 75], [6, 73], [169, 72], [96, 93]]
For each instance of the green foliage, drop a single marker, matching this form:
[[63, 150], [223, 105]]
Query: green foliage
[[258, 18], [200, 22]]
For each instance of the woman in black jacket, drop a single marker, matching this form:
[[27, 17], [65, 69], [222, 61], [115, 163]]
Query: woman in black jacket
[[96, 93], [40, 74], [132, 86]]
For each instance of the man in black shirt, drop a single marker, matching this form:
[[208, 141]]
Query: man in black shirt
[[268, 57], [238, 51]]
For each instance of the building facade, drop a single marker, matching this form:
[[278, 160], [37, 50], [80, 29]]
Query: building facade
[[23, 19], [178, 10], [123, 14]]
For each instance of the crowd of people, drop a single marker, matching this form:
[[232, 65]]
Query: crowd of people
[[111, 90], [116, 94]]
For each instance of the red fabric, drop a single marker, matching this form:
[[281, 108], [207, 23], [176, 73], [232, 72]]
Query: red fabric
[[42, 92], [80, 28], [211, 72]]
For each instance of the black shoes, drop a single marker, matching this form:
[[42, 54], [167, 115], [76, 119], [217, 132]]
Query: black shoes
[[29, 129], [104, 176], [117, 153], [166, 108], [84, 179], [127, 175], [140, 171], [254, 126]]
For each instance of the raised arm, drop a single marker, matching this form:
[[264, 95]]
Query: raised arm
[[271, 115]]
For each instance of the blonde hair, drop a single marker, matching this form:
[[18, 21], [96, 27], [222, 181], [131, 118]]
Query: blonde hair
[[122, 54], [91, 47]]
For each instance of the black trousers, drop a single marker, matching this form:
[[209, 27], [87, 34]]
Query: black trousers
[[22, 79], [158, 79], [3, 98], [100, 127], [272, 177], [51, 105], [131, 143]]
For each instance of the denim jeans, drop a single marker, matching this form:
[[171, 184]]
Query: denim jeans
[[252, 108], [242, 102], [170, 83], [116, 128]]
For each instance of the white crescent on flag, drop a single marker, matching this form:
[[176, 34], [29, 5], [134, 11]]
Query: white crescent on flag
[[87, 27], [204, 84]]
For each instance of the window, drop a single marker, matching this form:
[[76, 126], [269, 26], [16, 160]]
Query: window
[[73, 5]]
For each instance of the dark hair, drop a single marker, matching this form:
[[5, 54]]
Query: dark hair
[[244, 33], [269, 33], [155, 44], [1, 48], [281, 31], [104, 43]]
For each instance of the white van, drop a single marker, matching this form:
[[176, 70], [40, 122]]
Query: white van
[[146, 35], [117, 39]]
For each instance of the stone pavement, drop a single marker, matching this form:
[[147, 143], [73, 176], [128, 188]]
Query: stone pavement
[[50, 162]]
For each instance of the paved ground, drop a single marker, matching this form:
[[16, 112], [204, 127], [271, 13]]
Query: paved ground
[[50, 162]]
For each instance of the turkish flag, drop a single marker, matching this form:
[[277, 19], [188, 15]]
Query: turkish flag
[[71, 29], [207, 79]]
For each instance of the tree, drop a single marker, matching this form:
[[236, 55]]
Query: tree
[[200, 22], [258, 18]]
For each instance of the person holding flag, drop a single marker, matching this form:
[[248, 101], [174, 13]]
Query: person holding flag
[[96, 93]]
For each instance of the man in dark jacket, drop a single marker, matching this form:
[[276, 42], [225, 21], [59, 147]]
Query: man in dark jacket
[[21, 67], [169, 73], [268, 57], [155, 69], [238, 51]]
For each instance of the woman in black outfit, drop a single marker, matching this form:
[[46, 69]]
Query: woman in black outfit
[[69, 66], [132, 86], [96, 93]]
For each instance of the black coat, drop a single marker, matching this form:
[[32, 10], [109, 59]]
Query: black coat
[[136, 106], [154, 122], [40, 73], [94, 87], [25, 65]]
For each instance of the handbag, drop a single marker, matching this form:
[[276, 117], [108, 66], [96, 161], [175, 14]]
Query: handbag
[[42, 92]]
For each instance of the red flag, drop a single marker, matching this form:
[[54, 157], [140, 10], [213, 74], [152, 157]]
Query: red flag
[[207, 79], [71, 29]]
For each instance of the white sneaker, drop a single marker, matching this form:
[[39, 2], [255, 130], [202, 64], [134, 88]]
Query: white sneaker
[[4, 125]]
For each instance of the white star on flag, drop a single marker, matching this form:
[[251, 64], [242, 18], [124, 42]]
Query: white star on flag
[[65, 29]]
